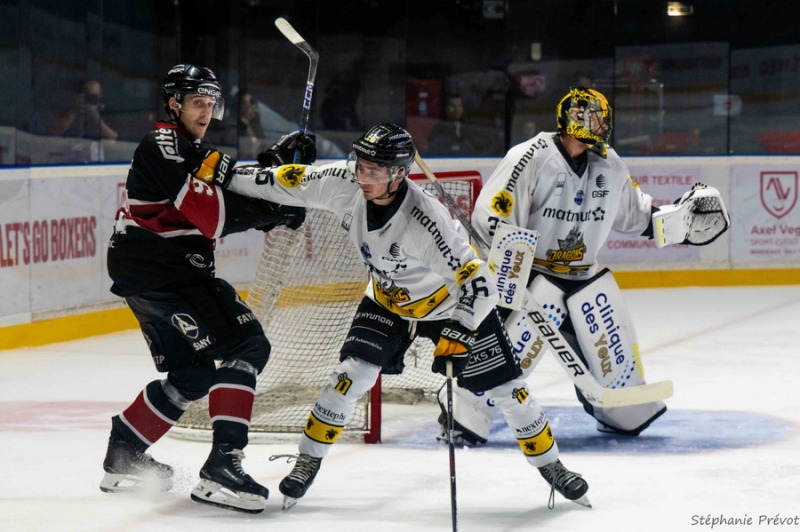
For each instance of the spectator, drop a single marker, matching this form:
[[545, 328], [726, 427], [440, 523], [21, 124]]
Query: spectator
[[249, 128], [249, 117], [449, 137], [83, 119]]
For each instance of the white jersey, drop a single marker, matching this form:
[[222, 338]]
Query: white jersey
[[535, 186], [420, 261]]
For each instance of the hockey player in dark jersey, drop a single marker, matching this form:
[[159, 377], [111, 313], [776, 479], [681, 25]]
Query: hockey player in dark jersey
[[161, 259]]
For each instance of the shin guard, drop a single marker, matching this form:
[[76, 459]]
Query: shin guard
[[349, 381], [150, 416], [527, 420], [230, 403]]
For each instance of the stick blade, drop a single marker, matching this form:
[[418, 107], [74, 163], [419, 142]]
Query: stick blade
[[288, 31], [635, 395]]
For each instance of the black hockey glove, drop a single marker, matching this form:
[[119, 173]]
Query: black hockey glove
[[455, 345], [211, 166], [291, 217], [282, 152]]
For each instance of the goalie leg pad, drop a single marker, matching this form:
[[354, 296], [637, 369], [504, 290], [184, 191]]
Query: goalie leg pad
[[528, 346], [349, 381], [527, 421], [605, 333], [472, 413]]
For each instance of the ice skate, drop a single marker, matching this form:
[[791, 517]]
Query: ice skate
[[224, 483], [128, 468], [567, 483], [296, 483]]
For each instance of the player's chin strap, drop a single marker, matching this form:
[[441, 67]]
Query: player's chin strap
[[176, 117], [697, 218], [389, 194]]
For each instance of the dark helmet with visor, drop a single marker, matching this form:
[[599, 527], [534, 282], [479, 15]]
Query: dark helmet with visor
[[191, 79], [386, 144], [581, 114]]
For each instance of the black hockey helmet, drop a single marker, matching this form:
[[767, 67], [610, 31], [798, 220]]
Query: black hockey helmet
[[389, 145], [580, 114], [191, 79]]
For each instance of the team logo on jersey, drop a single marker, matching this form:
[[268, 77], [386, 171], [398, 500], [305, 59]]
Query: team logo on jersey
[[467, 271], [365, 251], [578, 199], [570, 249], [186, 325], [343, 384], [396, 253], [600, 181], [291, 175], [502, 203]]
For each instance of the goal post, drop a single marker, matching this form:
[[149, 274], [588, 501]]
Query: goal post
[[307, 287]]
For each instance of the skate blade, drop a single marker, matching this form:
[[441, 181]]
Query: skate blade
[[288, 502], [583, 501], [214, 494], [122, 483]]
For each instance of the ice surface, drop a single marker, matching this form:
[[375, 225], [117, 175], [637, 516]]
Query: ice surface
[[728, 446]]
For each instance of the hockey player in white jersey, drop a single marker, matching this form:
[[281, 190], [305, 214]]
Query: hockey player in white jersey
[[574, 189], [425, 280]]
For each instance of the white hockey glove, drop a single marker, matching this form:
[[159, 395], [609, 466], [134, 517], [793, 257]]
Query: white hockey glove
[[697, 218]]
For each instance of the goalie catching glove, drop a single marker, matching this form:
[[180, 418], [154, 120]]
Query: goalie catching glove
[[455, 345], [697, 218], [283, 151], [211, 166]]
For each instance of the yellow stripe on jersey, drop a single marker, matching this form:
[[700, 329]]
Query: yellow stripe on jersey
[[539, 444], [321, 432], [415, 309], [556, 267], [467, 271]]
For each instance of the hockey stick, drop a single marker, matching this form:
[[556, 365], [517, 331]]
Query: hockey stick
[[593, 391], [451, 445], [313, 59], [450, 202]]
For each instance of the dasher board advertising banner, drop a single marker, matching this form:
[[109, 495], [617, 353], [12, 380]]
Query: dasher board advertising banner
[[764, 205]]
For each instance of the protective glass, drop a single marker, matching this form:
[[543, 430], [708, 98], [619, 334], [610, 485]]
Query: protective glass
[[371, 175]]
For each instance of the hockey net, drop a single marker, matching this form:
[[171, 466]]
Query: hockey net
[[307, 287]]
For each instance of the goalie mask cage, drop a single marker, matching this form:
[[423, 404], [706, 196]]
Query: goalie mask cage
[[307, 287]]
